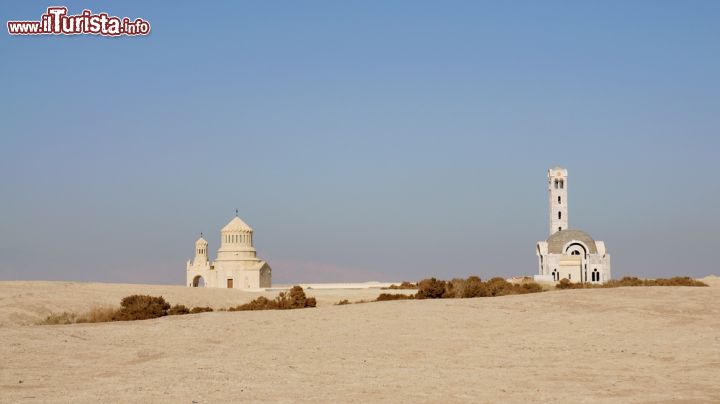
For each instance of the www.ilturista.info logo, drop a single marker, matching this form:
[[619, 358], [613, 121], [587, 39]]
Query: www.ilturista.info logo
[[57, 22]]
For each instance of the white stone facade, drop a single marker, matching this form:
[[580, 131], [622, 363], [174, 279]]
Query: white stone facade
[[567, 253], [236, 266]]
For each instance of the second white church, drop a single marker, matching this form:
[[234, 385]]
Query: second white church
[[237, 265]]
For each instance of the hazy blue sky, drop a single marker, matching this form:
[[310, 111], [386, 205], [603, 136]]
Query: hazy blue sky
[[383, 140]]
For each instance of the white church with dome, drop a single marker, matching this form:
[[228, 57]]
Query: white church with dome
[[567, 253], [236, 266]]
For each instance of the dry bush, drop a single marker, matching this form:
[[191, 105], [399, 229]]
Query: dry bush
[[261, 303], [631, 281], [293, 299], [474, 287], [391, 296], [141, 307], [634, 281], [454, 288], [178, 309], [403, 285], [135, 307], [625, 281], [101, 314], [430, 289], [342, 302], [679, 281], [297, 298], [58, 318], [529, 287], [471, 287], [498, 287]]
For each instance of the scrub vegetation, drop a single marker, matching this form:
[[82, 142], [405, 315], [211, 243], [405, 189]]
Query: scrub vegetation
[[459, 288], [632, 281], [294, 299]]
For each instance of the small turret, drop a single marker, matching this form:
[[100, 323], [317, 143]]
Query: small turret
[[201, 252]]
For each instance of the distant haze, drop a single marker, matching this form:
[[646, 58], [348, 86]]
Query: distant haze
[[361, 140]]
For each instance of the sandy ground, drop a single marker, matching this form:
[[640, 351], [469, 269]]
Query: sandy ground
[[615, 345]]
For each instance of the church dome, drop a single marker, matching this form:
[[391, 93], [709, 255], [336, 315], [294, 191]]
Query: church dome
[[561, 238], [201, 241], [236, 224]]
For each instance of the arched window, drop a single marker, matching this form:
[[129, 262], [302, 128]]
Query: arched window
[[559, 215], [559, 228], [576, 252], [562, 184], [559, 199]]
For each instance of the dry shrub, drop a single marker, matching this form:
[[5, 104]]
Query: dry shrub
[[293, 299], [403, 285], [135, 307], [454, 288], [101, 314], [529, 287], [58, 318], [566, 284], [632, 281], [261, 303], [499, 287], [430, 289], [391, 296], [625, 281], [141, 307], [178, 309], [679, 281], [473, 286], [342, 302]]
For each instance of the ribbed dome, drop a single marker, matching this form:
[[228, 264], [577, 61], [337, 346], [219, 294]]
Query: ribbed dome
[[236, 224], [559, 239]]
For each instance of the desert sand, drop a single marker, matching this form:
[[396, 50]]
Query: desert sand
[[613, 345]]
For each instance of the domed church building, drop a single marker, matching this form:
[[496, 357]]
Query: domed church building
[[567, 253], [236, 266]]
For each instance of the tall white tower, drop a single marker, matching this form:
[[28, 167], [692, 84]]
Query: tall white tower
[[557, 191]]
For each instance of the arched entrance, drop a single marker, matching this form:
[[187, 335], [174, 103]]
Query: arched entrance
[[198, 282]]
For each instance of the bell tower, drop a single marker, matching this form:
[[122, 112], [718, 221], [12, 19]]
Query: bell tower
[[201, 252], [558, 203]]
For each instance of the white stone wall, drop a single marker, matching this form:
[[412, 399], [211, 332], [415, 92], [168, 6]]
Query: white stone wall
[[582, 272]]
